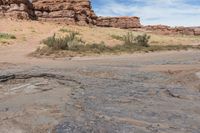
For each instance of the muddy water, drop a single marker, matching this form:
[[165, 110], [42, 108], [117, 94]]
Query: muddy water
[[150, 93]]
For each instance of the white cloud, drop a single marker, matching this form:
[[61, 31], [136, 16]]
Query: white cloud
[[169, 12]]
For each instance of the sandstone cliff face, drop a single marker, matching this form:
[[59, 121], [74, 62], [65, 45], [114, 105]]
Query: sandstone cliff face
[[19, 9], [119, 22], [68, 11]]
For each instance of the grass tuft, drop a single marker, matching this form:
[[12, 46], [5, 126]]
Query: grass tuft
[[7, 36], [69, 31]]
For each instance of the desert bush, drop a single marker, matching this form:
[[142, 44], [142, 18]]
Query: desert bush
[[72, 43], [7, 36], [142, 40], [131, 40], [67, 42]]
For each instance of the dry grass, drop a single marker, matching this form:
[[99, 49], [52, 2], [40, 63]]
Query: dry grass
[[26, 30], [97, 35], [33, 32], [5, 38], [70, 45]]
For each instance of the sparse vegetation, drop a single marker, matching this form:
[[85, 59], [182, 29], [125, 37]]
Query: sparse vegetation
[[72, 43], [7, 36], [68, 42], [142, 40], [129, 39]]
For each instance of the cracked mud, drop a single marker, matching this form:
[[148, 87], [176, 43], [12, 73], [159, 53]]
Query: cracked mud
[[129, 94]]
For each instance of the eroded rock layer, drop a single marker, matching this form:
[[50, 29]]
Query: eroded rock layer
[[167, 30], [19, 9], [68, 11], [119, 22]]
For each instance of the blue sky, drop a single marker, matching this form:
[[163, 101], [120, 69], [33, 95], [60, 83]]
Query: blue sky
[[168, 12]]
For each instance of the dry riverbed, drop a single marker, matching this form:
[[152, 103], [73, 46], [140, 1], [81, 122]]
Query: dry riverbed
[[141, 93]]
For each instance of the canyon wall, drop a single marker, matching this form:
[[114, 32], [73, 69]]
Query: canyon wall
[[68, 11]]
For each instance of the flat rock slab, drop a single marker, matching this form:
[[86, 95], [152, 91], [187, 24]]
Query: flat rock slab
[[103, 95]]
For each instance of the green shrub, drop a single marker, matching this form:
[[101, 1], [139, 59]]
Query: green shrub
[[131, 40], [142, 40], [63, 43], [6, 36]]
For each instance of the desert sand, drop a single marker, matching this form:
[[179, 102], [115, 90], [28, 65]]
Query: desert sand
[[155, 92]]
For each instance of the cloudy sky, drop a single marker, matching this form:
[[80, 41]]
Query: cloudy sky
[[169, 12]]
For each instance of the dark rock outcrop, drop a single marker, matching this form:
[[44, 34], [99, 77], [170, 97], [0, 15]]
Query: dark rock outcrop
[[19, 9]]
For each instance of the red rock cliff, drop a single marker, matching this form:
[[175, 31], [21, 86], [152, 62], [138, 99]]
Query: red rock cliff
[[68, 11], [119, 22]]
